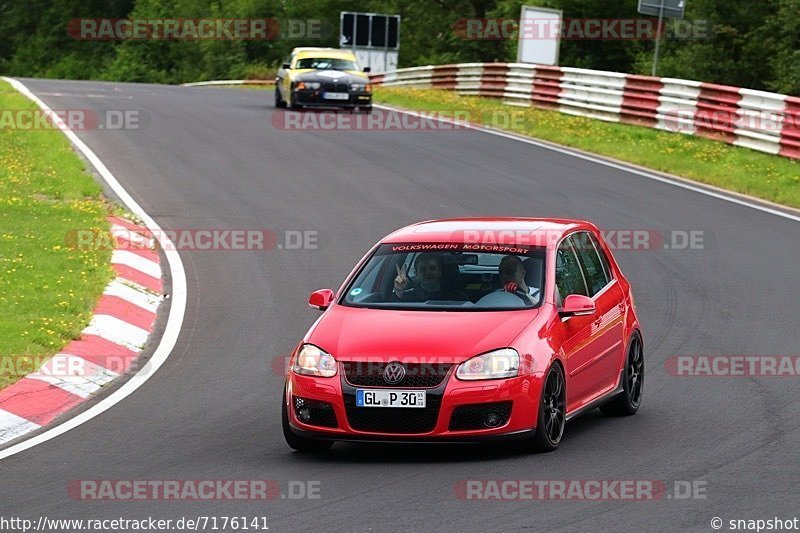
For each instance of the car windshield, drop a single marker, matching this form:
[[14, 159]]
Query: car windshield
[[325, 63], [450, 276]]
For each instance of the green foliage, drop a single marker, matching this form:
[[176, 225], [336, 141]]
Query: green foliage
[[751, 44]]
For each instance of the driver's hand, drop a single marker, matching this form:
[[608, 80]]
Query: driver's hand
[[511, 287], [401, 281]]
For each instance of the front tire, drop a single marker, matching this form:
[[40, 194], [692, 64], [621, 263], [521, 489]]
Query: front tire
[[279, 103], [552, 411], [291, 103], [296, 442], [628, 402]]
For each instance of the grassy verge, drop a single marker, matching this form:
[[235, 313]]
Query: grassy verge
[[47, 288], [737, 169]]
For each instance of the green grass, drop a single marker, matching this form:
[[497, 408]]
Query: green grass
[[742, 170], [47, 288]]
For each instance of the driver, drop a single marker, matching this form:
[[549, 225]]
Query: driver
[[428, 284], [512, 278]]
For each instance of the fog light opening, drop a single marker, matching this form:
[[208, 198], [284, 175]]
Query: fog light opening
[[492, 419], [304, 414]]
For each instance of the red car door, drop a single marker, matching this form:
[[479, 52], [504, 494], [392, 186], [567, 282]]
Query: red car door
[[592, 343], [576, 330], [608, 325]]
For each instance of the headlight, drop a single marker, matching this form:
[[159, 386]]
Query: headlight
[[311, 361], [360, 87], [308, 85], [498, 364]]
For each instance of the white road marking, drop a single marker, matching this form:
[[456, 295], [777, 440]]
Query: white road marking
[[12, 426], [124, 257], [177, 308], [677, 182], [117, 331], [145, 300]]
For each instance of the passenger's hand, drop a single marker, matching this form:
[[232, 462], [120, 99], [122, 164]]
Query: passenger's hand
[[511, 287], [401, 281]]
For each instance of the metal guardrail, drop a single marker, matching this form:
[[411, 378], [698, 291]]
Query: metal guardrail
[[228, 82], [763, 121]]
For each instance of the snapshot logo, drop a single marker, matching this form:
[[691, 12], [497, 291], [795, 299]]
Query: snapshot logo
[[726, 120], [616, 239], [194, 240], [73, 119], [193, 29], [583, 29], [191, 489], [733, 366], [578, 490]]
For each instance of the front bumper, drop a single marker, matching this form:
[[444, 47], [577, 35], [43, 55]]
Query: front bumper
[[315, 98], [435, 423]]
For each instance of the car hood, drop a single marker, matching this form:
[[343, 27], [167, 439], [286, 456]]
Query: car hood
[[352, 334], [343, 76]]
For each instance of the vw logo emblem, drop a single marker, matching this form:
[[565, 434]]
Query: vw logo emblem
[[394, 373]]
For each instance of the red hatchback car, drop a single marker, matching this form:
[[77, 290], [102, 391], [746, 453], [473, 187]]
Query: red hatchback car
[[466, 330]]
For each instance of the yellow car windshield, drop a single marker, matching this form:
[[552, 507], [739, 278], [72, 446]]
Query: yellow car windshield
[[326, 63]]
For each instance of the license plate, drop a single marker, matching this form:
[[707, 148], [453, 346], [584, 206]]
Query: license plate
[[335, 96], [390, 398]]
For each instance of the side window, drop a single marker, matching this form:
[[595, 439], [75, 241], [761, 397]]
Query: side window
[[593, 270], [603, 258], [569, 279]]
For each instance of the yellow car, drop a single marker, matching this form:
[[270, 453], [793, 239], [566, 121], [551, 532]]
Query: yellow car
[[323, 77]]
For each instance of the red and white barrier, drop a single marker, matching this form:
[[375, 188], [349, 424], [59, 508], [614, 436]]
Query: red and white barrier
[[763, 121], [107, 348]]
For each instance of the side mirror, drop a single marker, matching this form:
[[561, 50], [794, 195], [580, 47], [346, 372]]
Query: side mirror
[[577, 305], [367, 69], [321, 299], [285, 65]]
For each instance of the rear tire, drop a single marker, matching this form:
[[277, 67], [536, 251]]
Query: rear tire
[[296, 442], [627, 403], [552, 412]]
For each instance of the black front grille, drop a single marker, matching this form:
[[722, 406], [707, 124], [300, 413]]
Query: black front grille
[[417, 375], [473, 416], [335, 87], [393, 419], [321, 413]]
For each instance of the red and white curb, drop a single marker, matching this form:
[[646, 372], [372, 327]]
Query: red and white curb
[[117, 333]]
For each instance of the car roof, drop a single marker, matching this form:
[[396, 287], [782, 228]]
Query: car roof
[[333, 53], [507, 230]]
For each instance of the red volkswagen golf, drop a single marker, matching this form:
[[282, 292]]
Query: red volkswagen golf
[[465, 330]]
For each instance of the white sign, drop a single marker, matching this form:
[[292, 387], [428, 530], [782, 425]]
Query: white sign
[[539, 36]]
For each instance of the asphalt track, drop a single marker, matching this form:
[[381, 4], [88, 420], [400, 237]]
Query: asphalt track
[[211, 158]]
